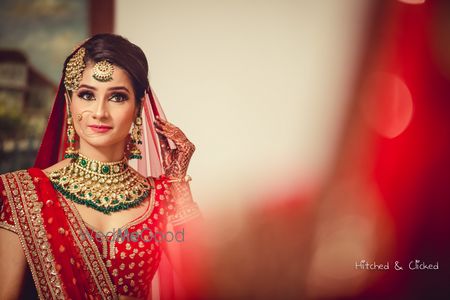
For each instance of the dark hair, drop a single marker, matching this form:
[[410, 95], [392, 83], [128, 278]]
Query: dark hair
[[120, 52]]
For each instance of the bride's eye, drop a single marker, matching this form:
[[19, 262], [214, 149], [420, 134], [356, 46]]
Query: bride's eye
[[85, 95], [118, 97]]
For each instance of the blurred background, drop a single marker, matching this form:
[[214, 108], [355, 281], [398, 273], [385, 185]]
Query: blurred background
[[321, 127]]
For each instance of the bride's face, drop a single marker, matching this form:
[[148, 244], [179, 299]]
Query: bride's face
[[107, 109]]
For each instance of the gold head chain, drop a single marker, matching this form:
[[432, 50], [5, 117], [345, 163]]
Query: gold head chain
[[102, 70]]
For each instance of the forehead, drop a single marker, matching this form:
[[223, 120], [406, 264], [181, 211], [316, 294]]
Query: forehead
[[119, 78]]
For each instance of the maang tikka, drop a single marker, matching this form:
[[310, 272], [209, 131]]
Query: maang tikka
[[103, 71]]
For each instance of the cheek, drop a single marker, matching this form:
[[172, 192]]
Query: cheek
[[75, 110], [124, 119]]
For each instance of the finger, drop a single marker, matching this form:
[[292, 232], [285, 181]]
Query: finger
[[164, 122], [165, 127], [162, 138], [158, 126], [167, 132], [161, 131], [159, 122], [164, 134]]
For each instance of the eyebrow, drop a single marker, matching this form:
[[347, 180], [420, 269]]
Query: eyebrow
[[114, 88]]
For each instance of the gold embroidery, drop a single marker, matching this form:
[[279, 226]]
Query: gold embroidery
[[7, 226], [26, 212], [89, 251]]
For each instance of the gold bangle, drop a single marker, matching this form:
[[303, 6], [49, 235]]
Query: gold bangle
[[186, 178]]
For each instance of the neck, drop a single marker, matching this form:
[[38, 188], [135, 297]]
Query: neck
[[104, 154]]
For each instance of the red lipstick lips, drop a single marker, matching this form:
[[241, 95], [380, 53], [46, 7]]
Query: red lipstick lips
[[100, 128]]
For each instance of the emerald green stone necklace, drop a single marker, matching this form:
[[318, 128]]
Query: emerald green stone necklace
[[106, 187]]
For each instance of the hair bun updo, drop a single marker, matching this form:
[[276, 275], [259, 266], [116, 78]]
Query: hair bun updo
[[122, 53]]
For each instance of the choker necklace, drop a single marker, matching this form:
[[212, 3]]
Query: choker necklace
[[106, 187]]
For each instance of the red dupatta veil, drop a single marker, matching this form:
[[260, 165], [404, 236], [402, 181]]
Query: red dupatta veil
[[55, 141]]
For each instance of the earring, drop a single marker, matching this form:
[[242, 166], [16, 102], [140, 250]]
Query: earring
[[136, 139], [70, 151]]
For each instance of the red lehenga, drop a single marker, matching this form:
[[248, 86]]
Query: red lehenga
[[64, 262]]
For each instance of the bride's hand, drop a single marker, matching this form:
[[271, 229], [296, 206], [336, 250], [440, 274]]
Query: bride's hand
[[175, 161]]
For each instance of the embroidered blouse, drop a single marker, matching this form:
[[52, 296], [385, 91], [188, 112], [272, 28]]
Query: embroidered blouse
[[131, 254]]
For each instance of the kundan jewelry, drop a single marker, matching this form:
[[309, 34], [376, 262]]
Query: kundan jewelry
[[106, 187], [70, 152], [72, 77], [74, 70], [103, 71], [136, 139]]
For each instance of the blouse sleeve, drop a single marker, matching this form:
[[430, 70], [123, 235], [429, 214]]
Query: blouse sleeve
[[6, 219]]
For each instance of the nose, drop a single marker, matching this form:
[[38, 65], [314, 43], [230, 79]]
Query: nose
[[101, 110]]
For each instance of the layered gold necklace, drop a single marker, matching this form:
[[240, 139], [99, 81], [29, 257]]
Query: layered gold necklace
[[106, 187]]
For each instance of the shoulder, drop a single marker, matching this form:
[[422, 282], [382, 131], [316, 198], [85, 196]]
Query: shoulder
[[162, 195], [8, 189], [161, 186], [15, 184], [17, 189], [59, 165], [159, 183], [12, 183], [11, 178]]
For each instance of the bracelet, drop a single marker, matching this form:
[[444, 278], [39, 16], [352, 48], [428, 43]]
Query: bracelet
[[186, 178]]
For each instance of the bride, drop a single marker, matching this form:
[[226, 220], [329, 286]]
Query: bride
[[60, 220]]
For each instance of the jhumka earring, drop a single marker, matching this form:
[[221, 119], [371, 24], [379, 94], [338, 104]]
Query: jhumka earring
[[70, 150], [136, 139]]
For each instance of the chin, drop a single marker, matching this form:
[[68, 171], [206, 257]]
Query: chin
[[104, 141]]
